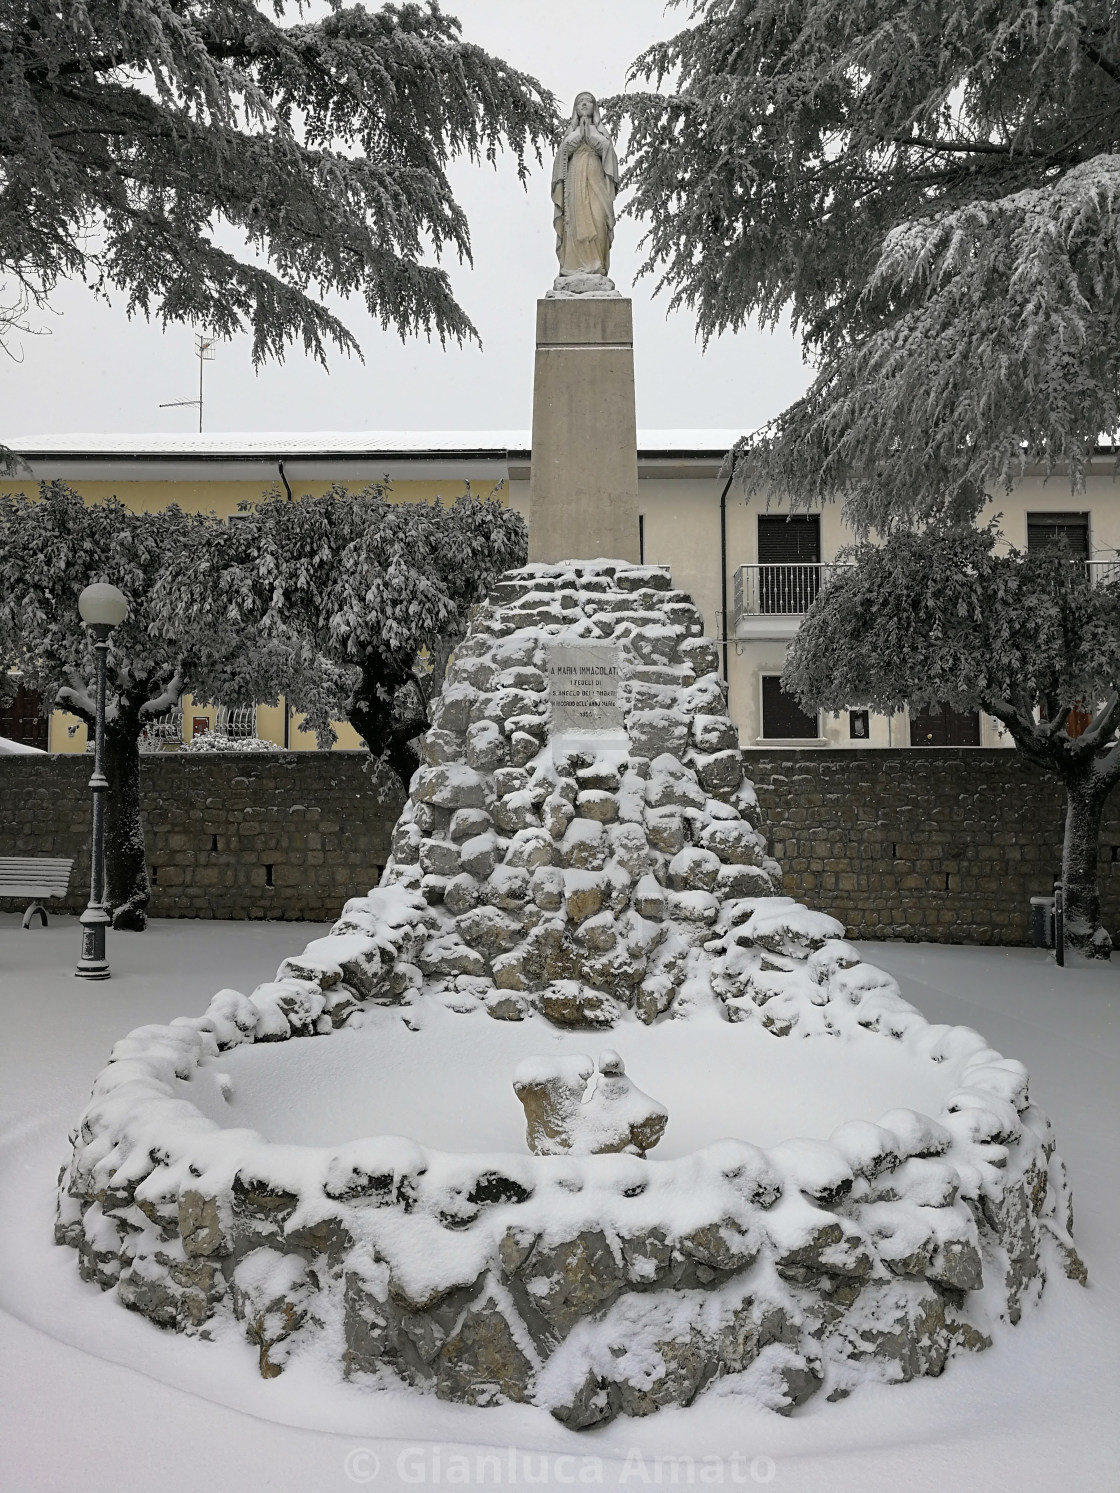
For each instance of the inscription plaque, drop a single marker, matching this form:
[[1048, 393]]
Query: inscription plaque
[[583, 689]]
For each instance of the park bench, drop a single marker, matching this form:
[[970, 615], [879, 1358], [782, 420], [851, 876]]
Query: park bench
[[37, 878]]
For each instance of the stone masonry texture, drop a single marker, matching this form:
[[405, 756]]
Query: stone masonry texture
[[946, 844], [943, 844], [276, 835]]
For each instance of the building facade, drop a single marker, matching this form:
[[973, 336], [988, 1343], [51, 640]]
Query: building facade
[[752, 568]]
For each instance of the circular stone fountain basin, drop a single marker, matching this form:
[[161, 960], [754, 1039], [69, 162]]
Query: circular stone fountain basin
[[448, 1085], [340, 1161]]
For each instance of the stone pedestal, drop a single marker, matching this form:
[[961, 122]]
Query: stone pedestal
[[583, 493]]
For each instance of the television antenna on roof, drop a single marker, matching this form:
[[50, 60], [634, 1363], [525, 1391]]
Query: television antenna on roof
[[204, 345]]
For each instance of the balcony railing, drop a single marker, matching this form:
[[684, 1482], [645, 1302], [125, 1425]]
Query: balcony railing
[[785, 590]]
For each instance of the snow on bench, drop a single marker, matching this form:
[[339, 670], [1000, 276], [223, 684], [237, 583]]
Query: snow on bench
[[34, 877]]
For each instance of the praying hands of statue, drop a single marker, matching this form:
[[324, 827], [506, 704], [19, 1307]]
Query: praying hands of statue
[[576, 136]]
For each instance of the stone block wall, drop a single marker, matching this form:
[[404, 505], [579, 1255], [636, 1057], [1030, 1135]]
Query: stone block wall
[[943, 844], [946, 844], [274, 835]]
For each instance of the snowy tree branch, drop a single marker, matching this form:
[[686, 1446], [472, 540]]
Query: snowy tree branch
[[962, 318], [1102, 728], [325, 143], [76, 698], [166, 700]]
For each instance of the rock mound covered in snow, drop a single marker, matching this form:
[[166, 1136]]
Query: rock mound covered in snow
[[591, 887], [580, 882]]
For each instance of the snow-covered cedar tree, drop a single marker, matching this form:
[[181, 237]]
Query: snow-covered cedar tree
[[931, 192], [943, 617], [216, 166], [364, 598], [51, 548]]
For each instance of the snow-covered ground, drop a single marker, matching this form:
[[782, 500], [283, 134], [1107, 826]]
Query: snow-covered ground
[[95, 1397], [18, 748]]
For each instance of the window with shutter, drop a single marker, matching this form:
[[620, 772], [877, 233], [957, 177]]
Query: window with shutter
[[787, 541], [789, 554], [782, 717], [1048, 531]]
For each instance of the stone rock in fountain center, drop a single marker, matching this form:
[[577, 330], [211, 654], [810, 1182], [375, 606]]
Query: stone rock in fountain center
[[564, 1116]]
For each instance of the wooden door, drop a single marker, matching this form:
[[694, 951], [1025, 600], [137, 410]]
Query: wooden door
[[21, 721], [938, 726]]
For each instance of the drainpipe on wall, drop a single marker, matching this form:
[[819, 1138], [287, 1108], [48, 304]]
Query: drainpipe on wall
[[283, 478], [723, 580]]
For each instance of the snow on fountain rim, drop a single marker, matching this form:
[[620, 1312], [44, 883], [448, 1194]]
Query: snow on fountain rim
[[139, 1131]]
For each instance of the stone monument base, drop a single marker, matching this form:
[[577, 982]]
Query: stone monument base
[[583, 491], [593, 287]]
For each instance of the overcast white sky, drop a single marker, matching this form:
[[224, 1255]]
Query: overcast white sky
[[96, 371]]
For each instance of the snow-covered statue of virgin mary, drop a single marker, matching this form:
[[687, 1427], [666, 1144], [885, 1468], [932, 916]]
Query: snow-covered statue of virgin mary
[[584, 183]]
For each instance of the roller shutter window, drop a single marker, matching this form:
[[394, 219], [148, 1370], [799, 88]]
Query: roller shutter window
[[789, 555], [782, 717], [1048, 530]]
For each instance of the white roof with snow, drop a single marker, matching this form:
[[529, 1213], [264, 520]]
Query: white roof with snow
[[340, 442], [437, 453]]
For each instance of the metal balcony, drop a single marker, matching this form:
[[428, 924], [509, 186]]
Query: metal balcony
[[770, 600], [165, 731]]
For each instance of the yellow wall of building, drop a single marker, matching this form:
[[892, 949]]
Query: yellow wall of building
[[270, 727], [681, 519], [225, 497], [65, 732]]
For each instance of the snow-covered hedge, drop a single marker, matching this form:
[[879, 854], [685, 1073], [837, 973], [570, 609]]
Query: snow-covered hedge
[[217, 741]]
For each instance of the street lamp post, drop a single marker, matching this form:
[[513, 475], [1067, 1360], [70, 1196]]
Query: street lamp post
[[102, 607]]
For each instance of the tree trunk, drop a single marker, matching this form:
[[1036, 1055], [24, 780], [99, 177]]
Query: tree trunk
[[1085, 800], [389, 730], [127, 887], [403, 758], [384, 739]]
